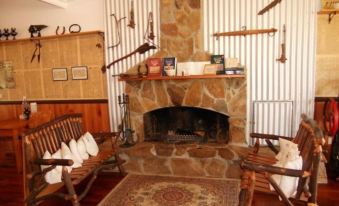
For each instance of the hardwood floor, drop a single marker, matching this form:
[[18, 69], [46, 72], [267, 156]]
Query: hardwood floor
[[12, 195]]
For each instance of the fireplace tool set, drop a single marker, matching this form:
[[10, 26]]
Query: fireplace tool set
[[126, 131]]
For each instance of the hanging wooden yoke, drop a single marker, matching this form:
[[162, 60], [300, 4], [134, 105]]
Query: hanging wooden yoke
[[246, 32]]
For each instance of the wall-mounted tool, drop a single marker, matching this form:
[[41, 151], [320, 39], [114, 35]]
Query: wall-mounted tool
[[245, 32], [150, 27], [131, 17], [117, 29], [141, 49], [36, 29], [63, 30], [36, 51], [283, 58], [269, 6]]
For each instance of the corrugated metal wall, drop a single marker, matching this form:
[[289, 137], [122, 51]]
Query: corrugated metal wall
[[279, 88], [131, 39]]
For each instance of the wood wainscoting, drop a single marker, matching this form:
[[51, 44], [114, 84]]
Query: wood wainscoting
[[95, 117]]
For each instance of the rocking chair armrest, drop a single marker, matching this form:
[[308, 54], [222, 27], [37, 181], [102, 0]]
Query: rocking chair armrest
[[57, 162], [269, 136], [262, 168]]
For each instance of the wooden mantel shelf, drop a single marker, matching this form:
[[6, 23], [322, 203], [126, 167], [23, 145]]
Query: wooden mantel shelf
[[181, 77]]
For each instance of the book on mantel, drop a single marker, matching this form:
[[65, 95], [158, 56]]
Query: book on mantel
[[219, 60], [154, 65]]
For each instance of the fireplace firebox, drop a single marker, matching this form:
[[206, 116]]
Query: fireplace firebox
[[185, 125]]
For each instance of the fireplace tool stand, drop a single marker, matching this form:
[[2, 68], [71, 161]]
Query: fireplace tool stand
[[125, 127]]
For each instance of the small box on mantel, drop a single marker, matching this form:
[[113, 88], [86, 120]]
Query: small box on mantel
[[154, 66], [169, 67]]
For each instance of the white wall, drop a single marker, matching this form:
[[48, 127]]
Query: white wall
[[89, 14]]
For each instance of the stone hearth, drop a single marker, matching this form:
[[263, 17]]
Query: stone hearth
[[209, 160]]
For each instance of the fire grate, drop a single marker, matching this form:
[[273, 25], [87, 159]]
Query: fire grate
[[177, 137]]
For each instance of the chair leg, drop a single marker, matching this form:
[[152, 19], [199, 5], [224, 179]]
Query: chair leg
[[120, 162], [247, 188], [70, 188]]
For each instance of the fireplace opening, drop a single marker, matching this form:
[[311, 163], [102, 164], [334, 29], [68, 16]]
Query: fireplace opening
[[185, 125]]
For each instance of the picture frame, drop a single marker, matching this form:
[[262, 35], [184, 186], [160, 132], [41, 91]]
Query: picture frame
[[79, 73], [59, 74]]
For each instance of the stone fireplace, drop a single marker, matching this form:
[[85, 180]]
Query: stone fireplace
[[219, 158], [181, 37]]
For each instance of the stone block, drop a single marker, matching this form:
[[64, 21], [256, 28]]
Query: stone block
[[156, 165], [147, 90], [160, 93], [170, 29], [226, 153], [215, 87], [204, 152], [216, 168], [176, 94], [194, 4], [141, 150], [186, 167], [194, 94], [164, 149]]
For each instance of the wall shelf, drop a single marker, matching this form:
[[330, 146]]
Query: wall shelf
[[52, 37], [135, 78]]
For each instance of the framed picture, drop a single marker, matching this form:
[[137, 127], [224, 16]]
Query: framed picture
[[59, 74], [79, 73]]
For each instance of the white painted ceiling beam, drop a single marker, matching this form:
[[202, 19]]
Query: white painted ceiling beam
[[58, 3]]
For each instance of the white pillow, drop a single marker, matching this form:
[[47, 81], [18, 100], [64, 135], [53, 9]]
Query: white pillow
[[288, 151], [74, 149], [67, 154], [91, 145], [82, 149], [288, 184], [53, 176]]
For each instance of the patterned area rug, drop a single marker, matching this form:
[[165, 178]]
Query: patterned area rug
[[144, 190]]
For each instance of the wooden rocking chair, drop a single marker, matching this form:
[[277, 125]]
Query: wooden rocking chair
[[258, 168]]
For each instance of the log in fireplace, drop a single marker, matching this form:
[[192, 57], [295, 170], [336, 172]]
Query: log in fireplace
[[182, 124]]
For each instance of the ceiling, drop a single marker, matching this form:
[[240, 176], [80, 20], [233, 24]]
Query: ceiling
[[58, 3]]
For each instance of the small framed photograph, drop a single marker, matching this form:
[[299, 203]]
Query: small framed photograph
[[80, 73], [59, 74]]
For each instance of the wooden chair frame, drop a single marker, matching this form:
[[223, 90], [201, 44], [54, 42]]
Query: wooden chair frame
[[309, 139], [48, 137]]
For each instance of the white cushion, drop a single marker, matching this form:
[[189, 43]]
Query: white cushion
[[91, 145], [53, 176], [74, 149], [82, 149], [66, 154], [288, 157], [288, 151]]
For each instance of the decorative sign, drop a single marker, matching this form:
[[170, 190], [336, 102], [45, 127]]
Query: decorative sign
[[79, 73], [59, 74]]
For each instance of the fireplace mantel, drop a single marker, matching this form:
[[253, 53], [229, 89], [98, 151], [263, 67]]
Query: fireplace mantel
[[129, 78]]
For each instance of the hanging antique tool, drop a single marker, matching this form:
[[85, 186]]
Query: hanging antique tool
[[36, 51], [131, 17], [150, 27], [36, 29], [282, 58], [126, 129], [118, 30], [141, 49], [268, 7], [245, 32]]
